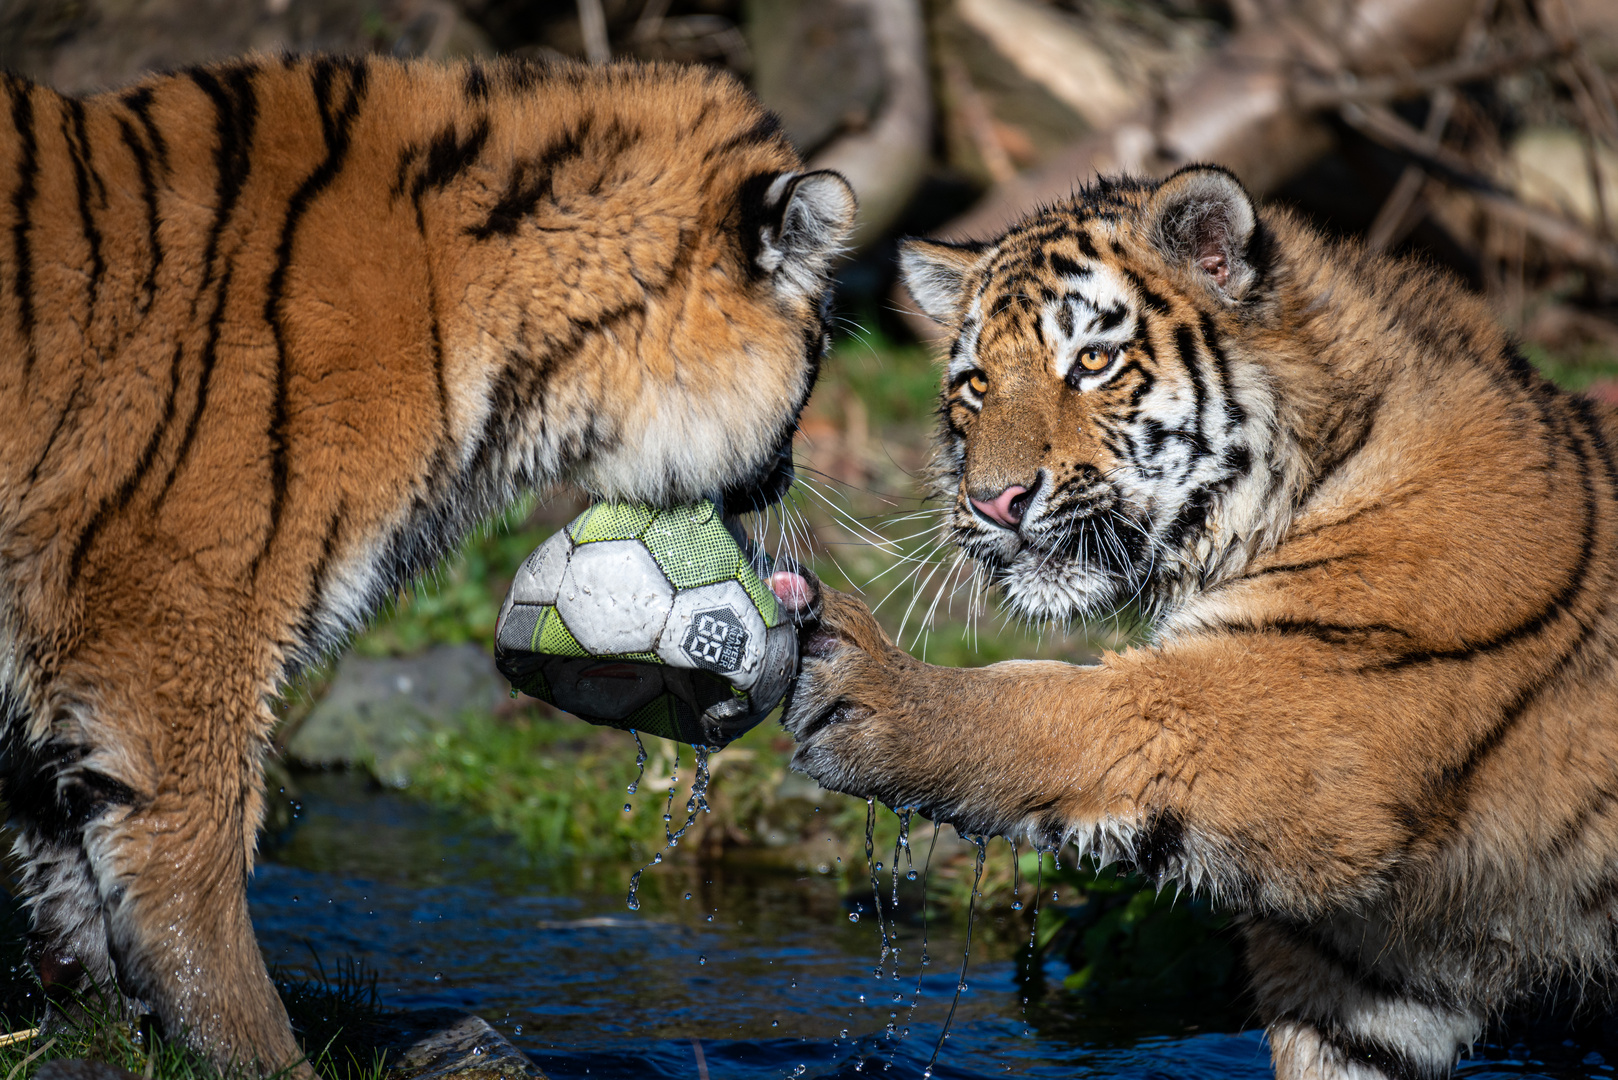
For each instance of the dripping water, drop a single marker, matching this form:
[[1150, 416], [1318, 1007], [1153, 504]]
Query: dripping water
[[966, 954], [696, 803], [640, 762], [875, 869], [915, 997]]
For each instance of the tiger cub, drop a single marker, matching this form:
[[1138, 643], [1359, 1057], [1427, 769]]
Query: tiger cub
[[1378, 713], [274, 334]]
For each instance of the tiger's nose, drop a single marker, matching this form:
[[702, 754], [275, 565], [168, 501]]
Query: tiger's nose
[[1005, 508]]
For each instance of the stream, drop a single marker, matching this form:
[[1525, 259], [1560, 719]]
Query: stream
[[758, 974]]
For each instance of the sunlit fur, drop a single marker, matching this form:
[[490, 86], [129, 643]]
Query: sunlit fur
[[273, 335], [1378, 713]]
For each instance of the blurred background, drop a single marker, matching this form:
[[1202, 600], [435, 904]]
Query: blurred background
[[475, 850]]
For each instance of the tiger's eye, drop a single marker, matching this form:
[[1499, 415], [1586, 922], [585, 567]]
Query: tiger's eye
[[1095, 359], [979, 384]]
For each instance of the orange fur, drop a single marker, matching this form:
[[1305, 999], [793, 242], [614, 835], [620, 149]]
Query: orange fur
[[1377, 711], [273, 335]]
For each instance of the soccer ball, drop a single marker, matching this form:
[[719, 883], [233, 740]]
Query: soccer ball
[[652, 620]]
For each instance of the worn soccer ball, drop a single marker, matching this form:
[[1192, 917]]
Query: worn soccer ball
[[651, 620]]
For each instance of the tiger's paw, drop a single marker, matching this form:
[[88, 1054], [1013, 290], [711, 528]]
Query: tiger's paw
[[851, 709]]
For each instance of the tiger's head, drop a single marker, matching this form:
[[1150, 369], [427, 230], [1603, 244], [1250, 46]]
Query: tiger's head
[[1104, 437]]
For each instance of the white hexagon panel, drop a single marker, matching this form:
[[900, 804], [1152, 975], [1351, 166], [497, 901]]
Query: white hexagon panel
[[613, 597], [540, 575], [715, 627]]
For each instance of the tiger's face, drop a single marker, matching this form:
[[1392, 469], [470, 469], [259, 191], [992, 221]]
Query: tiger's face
[[1094, 428]]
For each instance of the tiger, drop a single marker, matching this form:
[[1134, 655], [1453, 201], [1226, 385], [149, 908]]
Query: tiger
[[1375, 714], [275, 334]]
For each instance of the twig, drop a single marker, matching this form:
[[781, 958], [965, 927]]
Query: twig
[[1315, 94], [1568, 239], [593, 26], [1393, 219]]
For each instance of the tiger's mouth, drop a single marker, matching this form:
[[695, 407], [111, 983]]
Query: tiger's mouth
[[1076, 553]]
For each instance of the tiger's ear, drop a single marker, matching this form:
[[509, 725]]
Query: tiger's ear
[[809, 219], [1202, 215], [935, 274]]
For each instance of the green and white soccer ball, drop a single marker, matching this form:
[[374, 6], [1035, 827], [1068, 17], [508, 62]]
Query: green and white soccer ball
[[652, 620]]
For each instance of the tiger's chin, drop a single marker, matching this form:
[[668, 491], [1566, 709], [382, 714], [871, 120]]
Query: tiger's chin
[[1045, 587]]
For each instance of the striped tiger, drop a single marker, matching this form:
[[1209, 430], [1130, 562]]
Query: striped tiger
[[274, 334], [1377, 713]]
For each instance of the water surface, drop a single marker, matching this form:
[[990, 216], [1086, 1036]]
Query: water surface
[[758, 974]]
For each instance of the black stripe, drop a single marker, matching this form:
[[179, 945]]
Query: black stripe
[[1357, 422], [1557, 605], [447, 157], [1235, 415], [1150, 297], [78, 148], [337, 128], [119, 500], [1590, 810], [139, 103], [148, 191], [1450, 787], [767, 128], [1186, 349], [1300, 567], [477, 83], [235, 117], [22, 200], [531, 182], [308, 628], [1329, 633]]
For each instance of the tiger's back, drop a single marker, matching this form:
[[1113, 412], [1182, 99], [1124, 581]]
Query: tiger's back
[[275, 334]]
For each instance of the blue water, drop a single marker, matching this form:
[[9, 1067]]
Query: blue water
[[758, 974]]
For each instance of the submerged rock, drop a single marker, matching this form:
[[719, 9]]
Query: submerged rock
[[440, 1045], [379, 713]]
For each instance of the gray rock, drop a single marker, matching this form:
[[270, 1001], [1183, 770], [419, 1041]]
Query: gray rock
[[379, 714], [439, 1045], [82, 1069]]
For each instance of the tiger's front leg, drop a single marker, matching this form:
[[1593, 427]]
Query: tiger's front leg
[[1189, 764]]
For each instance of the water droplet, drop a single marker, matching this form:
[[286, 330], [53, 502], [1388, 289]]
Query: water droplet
[[627, 808], [688, 896], [702, 961], [843, 1034], [775, 1023], [710, 918], [910, 875], [1016, 905], [853, 916], [657, 858], [517, 1030], [438, 976], [294, 899]]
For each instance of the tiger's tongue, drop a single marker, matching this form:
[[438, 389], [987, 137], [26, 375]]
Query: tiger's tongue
[[793, 590]]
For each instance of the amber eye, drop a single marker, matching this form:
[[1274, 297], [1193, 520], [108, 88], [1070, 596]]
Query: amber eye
[[979, 384], [1095, 359]]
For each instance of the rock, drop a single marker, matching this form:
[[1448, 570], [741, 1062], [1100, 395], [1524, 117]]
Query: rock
[[378, 713], [81, 1069], [441, 1044]]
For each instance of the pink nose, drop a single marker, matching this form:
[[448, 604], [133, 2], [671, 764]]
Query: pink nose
[[1005, 508]]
